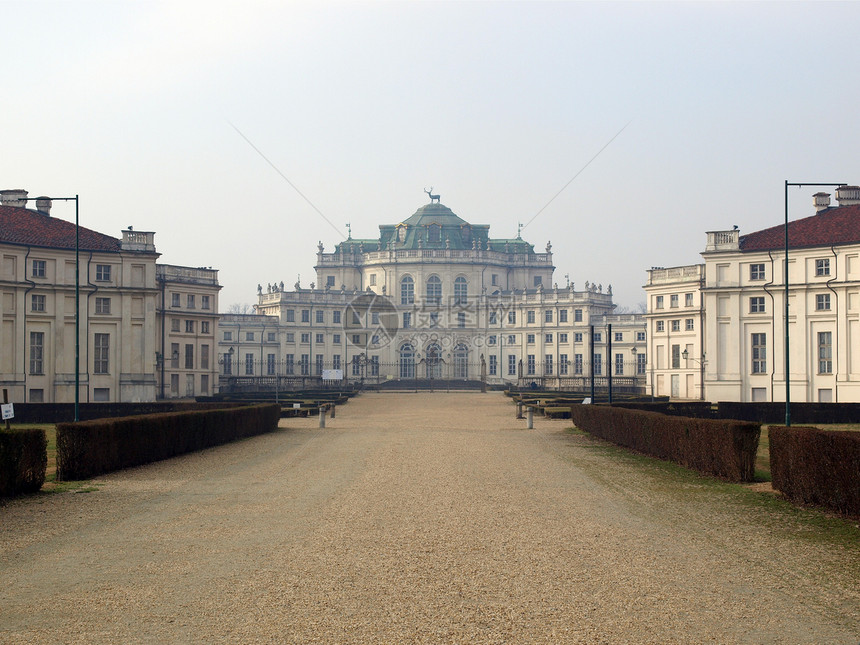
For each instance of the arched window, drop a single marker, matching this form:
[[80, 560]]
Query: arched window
[[407, 361], [461, 362], [433, 363], [407, 291], [434, 290], [460, 291]]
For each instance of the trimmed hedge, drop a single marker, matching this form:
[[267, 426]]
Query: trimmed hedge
[[61, 412], [726, 449], [815, 466], [767, 412], [23, 460], [89, 448], [697, 409]]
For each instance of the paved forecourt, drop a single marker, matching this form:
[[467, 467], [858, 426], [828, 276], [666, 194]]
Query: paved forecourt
[[421, 518]]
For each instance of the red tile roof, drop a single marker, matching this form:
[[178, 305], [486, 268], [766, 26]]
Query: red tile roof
[[831, 227], [32, 228]]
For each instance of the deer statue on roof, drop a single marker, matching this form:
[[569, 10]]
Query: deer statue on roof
[[433, 198]]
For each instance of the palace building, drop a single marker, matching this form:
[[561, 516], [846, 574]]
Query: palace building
[[434, 297]]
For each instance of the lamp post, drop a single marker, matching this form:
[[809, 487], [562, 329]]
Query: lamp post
[[702, 362], [786, 344], [77, 295]]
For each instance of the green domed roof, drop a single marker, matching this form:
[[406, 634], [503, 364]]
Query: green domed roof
[[434, 214]]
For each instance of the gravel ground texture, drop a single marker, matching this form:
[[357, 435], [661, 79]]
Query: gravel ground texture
[[417, 518]]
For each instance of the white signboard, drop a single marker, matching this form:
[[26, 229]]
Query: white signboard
[[586, 400], [296, 406], [332, 375], [8, 411]]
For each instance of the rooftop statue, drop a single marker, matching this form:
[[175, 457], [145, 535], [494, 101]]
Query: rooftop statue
[[433, 198]]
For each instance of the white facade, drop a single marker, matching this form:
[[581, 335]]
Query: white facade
[[742, 304], [435, 297]]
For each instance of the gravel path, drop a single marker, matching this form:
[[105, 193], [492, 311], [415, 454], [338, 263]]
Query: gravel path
[[414, 518]]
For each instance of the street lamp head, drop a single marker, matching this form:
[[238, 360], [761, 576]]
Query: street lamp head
[[685, 354], [634, 351]]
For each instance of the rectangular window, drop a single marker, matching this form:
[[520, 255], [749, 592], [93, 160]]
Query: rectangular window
[[577, 337], [676, 357], [374, 317], [494, 279], [291, 315], [270, 337], [289, 364], [204, 357], [249, 336], [530, 339], [530, 364], [512, 365], [547, 316], [189, 300], [204, 384], [306, 315], [329, 281], [407, 319], [492, 317], [39, 268], [530, 316], [577, 363], [335, 317], [174, 356], [372, 279], [825, 352], [291, 337], [493, 365], [335, 362], [306, 338], [822, 302], [204, 302], [318, 364], [174, 299], [660, 325], [688, 324], [640, 336], [101, 354], [673, 301], [320, 315], [757, 272], [37, 352], [547, 364], [461, 319], [37, 303], [249, 364], [598, 337], [547, 339], [103, 272], [101, 394], [512, 317], [759, 353], [619, 364], [619, 337], [37, 395], [562, 338], [577, 315], [356, 319], [659, 304], [822, 267], [356, 339], [336, 339], [356, 366], [189, 326], [511, 339], [563, 364], [491, 340], [757, 305], [598, 364], [189, 357], [538, 281], [562, 315], [641, 361], [320, 339], [374, 365], [688, 299], [305, 364], [676, 325], [204, 326]]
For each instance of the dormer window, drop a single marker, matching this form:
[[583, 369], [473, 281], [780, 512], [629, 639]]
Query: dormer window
[[467, 233], [401, 233], [434, 233]]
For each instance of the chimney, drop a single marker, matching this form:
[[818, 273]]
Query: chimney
[[16, 197], [43, 205], [821, 201], [848, 195]]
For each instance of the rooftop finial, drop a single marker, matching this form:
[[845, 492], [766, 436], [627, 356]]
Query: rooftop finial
[[349, 230], [433, 198], [519, 230]]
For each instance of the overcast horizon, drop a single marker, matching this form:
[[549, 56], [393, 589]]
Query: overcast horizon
[[152, 111]]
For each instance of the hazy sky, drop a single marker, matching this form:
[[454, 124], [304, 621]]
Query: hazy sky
[[361, 106]]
